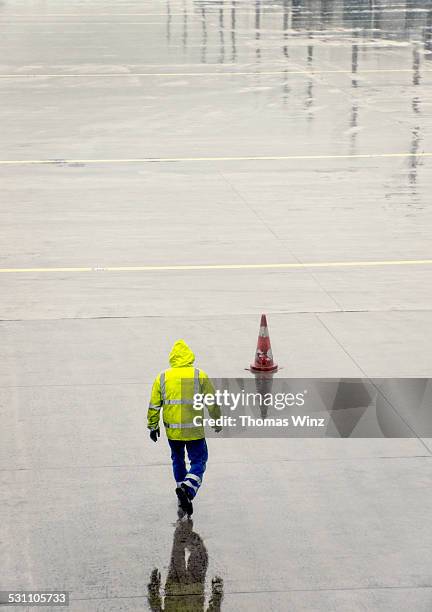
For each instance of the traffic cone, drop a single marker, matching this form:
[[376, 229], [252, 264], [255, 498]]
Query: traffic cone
[[263, 356]]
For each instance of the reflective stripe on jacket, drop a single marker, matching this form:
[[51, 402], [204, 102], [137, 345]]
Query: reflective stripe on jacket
[[172, 394]]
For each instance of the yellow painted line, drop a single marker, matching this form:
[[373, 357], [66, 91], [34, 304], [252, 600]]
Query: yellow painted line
[[257, 266], [137, 160], [200, 74]]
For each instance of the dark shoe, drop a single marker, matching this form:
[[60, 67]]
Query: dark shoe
[[180, 512], [184, 501]]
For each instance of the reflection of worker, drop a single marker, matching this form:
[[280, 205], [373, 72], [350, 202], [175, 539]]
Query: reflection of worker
[[173, 390], [185, 583]]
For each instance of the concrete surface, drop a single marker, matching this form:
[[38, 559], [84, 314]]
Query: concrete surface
[[87, 500]]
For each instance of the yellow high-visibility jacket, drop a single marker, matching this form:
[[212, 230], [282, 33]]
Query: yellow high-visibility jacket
[[172, 394]]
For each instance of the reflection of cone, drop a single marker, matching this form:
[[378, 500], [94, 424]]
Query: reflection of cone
[[263, 385], [263, 356]]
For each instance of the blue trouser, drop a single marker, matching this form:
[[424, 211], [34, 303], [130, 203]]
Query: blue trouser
[[198, 455]]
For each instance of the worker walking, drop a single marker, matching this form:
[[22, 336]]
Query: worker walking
[[173, 392]]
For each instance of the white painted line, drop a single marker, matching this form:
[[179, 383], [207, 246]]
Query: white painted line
[[256, 266], [200, 74], [143, 160]]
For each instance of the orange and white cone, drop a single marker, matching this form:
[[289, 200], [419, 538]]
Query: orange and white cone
[[263, 356]]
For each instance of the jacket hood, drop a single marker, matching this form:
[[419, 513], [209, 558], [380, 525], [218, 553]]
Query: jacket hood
[[181, 355]]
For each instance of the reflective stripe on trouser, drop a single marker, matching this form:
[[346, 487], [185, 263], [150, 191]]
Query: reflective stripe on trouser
[[197, 454]]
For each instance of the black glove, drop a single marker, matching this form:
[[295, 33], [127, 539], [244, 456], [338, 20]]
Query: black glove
[[154, 434]]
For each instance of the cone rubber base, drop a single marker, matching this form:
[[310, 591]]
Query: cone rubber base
[[257, 369]]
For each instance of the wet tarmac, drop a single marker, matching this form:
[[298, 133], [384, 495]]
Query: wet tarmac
[[170, 134]]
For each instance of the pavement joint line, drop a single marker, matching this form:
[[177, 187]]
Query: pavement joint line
[[215, 74], [143, 160], [275, 11], [85, 15], [258, 591], [401, 417], [193, 267], [347, 353], [25, 16], [276, 312], [144, 383], [215, 462]]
